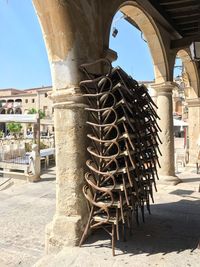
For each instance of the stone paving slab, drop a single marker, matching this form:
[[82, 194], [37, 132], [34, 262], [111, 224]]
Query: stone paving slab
[[25, 209], [169, 237]]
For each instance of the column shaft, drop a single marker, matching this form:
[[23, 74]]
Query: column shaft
[[165, 112], [193, 128], [70, 142]]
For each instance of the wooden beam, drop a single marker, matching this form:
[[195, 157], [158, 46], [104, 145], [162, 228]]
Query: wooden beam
[[194, 27], [164, 2], [184, 42], [186, 14], [181, 21], [185, 6], [162, 11]]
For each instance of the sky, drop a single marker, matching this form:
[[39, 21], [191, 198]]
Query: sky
[[23, 57], [133, 52]]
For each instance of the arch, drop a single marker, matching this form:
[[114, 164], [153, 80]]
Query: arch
[[18, 100], [10, 111], [191, 77], [148, 26], [18, 111], [2, 103], [2, 111]]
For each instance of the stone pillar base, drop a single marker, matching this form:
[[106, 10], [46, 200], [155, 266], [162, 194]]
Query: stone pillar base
[[169, 180], [63, 231], [33, 178]]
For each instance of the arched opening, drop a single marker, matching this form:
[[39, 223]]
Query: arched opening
[[162, 86], [147, 35], [24, 65], [18, 111], [10, 104], [18, 102], [3, 111], [187, 80], [189, 74], [10, 111], [2, 103], [180, 92]]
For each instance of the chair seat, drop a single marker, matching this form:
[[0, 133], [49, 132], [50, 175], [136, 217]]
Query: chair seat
[[112, 219]]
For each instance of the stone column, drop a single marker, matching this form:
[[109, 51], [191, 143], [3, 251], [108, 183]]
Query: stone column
[[74, 33], [193, 128], [165, 112], [70, 142]]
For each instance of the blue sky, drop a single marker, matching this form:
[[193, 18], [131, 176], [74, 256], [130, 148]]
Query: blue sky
[[133, 52], [24, 62], [23, 57]]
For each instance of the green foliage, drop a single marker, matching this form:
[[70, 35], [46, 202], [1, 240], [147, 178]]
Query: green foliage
[[1, 134], [28, 147], [42, 145], [14, 127], [34, 111]]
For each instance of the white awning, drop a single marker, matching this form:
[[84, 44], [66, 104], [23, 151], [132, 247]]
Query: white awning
[[180, 123], [22, 118]]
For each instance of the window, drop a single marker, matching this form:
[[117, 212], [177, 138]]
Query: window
[[33, 100], [26, 100]]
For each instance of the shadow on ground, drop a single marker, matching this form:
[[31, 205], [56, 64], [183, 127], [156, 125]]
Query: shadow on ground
[[172, 227]]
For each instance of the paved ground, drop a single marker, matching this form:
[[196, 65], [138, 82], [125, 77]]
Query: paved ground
[[25, 209], [169, 237]]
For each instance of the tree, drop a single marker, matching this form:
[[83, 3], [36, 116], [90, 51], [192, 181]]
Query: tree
[[34, 111], [14, 128]]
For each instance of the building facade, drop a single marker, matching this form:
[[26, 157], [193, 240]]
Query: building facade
[[13, 101]]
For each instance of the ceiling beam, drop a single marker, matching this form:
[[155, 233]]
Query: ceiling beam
[[186, 14], [184, 42], [185, 6], [181, 21], [164, 3], [161, 10]]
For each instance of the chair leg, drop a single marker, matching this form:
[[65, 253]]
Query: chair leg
[[129, 222], [113, 239], [117, 223], [86, 228]]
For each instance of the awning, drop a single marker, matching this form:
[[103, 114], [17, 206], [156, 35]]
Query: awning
[[180, 123], [22, 118]]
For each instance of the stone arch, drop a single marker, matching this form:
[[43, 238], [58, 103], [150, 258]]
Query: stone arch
[[191, 77], [148, 26], [67, 38]]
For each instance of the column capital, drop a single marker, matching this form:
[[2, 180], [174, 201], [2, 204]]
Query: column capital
[[164, 88], [68, 98], [194, 102]]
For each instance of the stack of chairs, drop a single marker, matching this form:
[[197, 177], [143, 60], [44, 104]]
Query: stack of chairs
[[123, 149]]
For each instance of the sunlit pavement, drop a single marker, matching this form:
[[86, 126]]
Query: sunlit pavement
[[25, 209], [169, 236]]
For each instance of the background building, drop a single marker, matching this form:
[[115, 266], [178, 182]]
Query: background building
[[13, 101]]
